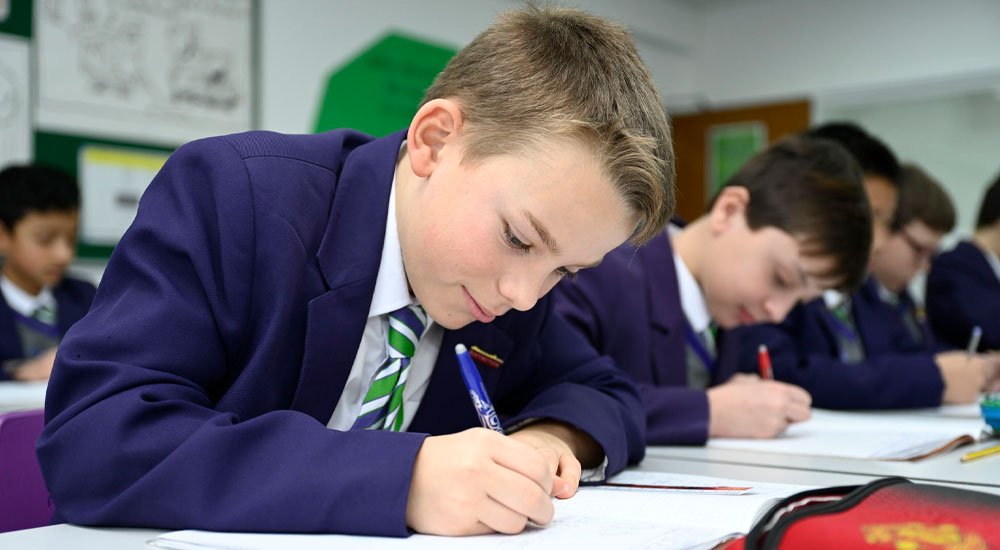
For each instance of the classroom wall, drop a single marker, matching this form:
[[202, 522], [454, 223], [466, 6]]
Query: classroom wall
[[815, 47], [303, 40]]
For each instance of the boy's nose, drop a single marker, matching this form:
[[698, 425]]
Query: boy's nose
[[521, 291], [777, 307], [64, 252]]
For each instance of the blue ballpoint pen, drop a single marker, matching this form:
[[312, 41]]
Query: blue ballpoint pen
[[481, 401]]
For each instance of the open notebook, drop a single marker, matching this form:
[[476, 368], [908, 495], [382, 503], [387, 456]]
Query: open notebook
[[872, 435], [597, 517]]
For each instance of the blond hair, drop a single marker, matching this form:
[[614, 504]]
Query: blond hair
[[540, 74]]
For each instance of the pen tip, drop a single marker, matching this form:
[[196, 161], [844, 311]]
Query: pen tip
[[761, 348], [460, 348]]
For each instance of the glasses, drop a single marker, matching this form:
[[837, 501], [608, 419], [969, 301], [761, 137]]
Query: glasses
[[922, 251]]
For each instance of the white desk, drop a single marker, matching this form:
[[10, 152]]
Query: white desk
[[61, 537], [982, 474], [658, 459], [21, 396], [87, 538]]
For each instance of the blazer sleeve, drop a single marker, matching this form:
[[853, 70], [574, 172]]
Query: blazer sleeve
[[131, 435], [583, 389], [885, 381], [674, 415], [957, 301]]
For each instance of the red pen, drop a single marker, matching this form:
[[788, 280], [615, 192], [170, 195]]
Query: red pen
[[764, 362]]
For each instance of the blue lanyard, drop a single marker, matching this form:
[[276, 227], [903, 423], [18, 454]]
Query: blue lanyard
[[849, 337], [843, 328], [699, 347]]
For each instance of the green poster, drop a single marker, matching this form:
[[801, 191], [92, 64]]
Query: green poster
[[378, 91], [15, 17], [729, 146]]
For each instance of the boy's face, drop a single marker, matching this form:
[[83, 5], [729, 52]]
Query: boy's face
[[757, 276], [479, 240], [904, 254], [882, 196], [39, 249]]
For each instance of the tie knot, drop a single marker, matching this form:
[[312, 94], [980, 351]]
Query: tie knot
[[45, 314], [406, 326]]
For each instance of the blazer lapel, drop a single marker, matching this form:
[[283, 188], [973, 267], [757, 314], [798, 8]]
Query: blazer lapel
[[446, 406], [665, 313], [10, 341], [348, 259]]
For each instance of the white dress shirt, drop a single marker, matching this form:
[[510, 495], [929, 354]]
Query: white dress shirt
[[391, 293]]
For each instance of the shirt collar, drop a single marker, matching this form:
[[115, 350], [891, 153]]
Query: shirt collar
[[833, 298], [885, 294], [391, 288], [692, 298], [992, 259], [22, 302]]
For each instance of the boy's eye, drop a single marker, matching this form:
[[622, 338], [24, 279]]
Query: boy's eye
[[45, 239], [779, 282], [513, 241]]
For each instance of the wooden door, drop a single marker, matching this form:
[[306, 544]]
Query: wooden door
[[695, 134]]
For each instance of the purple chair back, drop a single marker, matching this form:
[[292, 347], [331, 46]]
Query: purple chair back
[[24, 500]]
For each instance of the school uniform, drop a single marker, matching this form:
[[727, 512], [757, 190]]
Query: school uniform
[[197, 392], [630, 308], [860, 359], [963, 291], [23, 334], [907, 323]]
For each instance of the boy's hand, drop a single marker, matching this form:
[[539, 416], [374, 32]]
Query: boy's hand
[[558, 444], [993, 377], [38, 367], [478, 481], [747, 406], [964, 376]]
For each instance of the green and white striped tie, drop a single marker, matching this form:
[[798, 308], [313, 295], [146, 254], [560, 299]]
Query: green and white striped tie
[[382, 408]]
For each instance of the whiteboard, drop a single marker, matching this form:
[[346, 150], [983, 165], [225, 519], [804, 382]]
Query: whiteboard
[[158, 71]]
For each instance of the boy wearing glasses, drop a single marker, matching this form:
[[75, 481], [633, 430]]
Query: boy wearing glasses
[[924, 215]]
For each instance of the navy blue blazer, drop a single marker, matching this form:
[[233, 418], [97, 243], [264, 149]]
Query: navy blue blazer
[[963, 291], [73, 298], [629, 307], [896, 373], [195, 394]]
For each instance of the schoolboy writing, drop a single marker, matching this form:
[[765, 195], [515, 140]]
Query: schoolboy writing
[[38, 303], [240, 369], [924, 215], [837, 348], [792, 222], [963, 286]]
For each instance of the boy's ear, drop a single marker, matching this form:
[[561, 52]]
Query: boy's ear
[[436, 124], [730, 208], [4, 238]]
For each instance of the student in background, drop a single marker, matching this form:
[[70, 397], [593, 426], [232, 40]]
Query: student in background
[[272, 346], [963, 287], [38, 222], [837, 349], [792, 222], [924, 215]]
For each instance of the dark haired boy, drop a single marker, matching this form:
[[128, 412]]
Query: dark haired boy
[[963, 287], [790, 223], [38, 224]]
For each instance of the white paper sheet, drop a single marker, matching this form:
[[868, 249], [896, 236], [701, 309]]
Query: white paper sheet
[[863, 435], [596, 517]]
